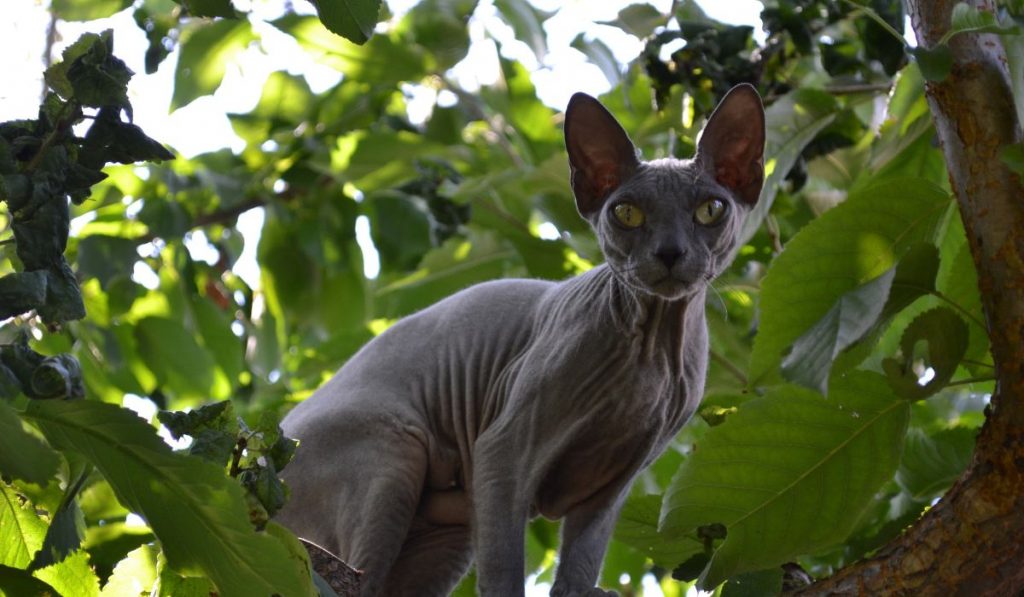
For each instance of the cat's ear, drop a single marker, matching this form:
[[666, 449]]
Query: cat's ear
[[731, 147], [601, 156]]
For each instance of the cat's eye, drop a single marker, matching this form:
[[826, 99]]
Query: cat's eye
[[710, 212], [629, 215]]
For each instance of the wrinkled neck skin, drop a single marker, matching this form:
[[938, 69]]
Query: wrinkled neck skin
[[655, 329]]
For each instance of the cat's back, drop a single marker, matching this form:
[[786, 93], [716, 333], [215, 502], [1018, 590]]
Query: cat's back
[[452, 350]]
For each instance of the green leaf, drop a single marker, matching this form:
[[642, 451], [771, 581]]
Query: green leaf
[[810, 360], [210, 8], [21, 534], [73, 576], [788, 474], [383, 60], [23, 455], [21, 583], [172, 584], [946, 336], [931, 462], [175, 358], [215, 327], [67, 526], [847, 246], [197, 513], [205, 53], [856, 313], [1013, 157], [969, 19], [87, 10], [638, 19], [213, 428], [755, 584], [439, 26], [597, 52], [110, 542], [935, 62], [352, 19], [99, 78], [960, 286], [638, 528], [111, 140], [133, 575], [21, 292], [296, 552], [21, 529], [793, 121], [106, 257], [528, 24], [455, 265]]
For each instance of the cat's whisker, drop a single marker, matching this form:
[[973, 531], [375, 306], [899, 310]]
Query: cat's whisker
[[721, 299]]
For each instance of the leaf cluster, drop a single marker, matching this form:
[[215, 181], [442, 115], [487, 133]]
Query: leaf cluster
[[849, 366]]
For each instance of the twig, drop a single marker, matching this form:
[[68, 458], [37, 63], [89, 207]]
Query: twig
[[970, 380], [51, 40], [219, 216], [730, 367], [857, 88]]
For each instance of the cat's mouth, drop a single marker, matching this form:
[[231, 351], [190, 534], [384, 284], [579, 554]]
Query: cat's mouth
[[671, 286]]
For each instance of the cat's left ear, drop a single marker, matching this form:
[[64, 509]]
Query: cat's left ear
[[601, 156], [731, 147]]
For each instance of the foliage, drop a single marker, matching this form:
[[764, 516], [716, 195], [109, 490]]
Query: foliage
[[855, 278]]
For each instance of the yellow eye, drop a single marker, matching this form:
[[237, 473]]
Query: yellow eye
[[710, 212], [629, 214]]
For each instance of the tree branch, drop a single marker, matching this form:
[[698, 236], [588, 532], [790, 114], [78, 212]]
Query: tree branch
[[969, 543]]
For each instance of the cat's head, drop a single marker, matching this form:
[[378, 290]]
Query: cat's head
[[667, 227]]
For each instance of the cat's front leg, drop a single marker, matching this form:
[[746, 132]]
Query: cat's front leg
[[585, 535], [500, 501]]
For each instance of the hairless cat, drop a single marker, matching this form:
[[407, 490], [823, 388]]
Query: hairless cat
[[433, 446]]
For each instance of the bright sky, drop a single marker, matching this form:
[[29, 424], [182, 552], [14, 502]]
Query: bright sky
[[202, 125]]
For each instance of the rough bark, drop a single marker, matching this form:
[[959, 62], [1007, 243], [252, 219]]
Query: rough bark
[[338, 575], [971, 542]]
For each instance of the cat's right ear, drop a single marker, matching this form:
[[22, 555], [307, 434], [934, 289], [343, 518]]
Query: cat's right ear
[[601, 156]]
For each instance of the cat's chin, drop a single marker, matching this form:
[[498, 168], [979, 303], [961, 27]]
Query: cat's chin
[[671, 289]]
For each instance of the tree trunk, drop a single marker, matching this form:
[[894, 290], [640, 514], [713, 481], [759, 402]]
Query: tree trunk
[[972, 541]]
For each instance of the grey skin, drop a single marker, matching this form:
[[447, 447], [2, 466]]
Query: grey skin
[[437, 442]]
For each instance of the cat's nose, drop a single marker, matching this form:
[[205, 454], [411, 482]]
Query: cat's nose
[[668, 255]]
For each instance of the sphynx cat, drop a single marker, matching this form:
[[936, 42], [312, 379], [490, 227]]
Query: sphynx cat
[[433, 446]]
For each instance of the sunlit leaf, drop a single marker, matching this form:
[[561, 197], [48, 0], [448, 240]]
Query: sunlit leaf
[[847, 246], [527, 22], [134, 575], [380, 61], [197, 513], [638, 19], [598, 53], [206, 52], [21, 535], [352, 19], [87, 10]]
